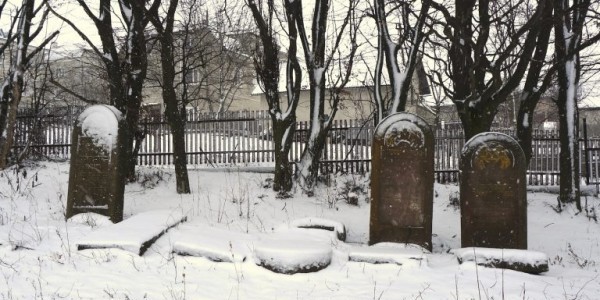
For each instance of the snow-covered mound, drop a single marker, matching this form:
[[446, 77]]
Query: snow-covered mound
[[527, 261], [293, 251], [319, 223], [390, 253], [135, 234], [213, 243]]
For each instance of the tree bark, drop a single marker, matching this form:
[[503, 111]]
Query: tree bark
[[266, 63], [180, 156], [569, 23], [283, 133], [570, 190], [174, 108], [308, 166], [6, 141], [535, 84]]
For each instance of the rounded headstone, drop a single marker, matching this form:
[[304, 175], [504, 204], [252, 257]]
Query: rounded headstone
[[402, 181], [94, 181], [493, 192]]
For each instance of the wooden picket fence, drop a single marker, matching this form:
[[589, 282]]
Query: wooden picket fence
[[242, 138], [245, 138], [45, 133], [212, 139], [592, 165], [544, 168]]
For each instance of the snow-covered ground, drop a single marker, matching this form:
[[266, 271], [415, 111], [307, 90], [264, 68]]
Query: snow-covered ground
[[235, 214]]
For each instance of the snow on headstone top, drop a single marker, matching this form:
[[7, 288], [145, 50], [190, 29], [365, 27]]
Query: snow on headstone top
[[485, 138], [101, 123], [396, 123]]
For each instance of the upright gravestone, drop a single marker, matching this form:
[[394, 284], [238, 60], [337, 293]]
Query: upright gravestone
[[94, 181], [493, 202], [402, 181]]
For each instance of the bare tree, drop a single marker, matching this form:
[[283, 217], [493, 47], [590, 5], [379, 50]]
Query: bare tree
[[202, 64], [318, 62], [388, 50], [175, 111], [570, 35], [214, 50], [490, 45], [539, 78], [266, 62], [13, 85], [493, 75]]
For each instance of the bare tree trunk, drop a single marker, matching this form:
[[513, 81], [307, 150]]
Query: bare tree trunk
[[569, 23], [534, 87], [476, 121], [308, 166], [8, 136], [136, 60], [317, 64], [283, 133], [266, 63], [568, 79], [524, 127], [570, 190], [175, 109], [180, 156]]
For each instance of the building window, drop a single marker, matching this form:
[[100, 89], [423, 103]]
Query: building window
[[192, 76]]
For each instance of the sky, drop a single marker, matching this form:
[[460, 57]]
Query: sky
[[68, 40]]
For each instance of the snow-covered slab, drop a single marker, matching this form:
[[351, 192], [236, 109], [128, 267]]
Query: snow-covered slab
[[390, 253], [527, 261], [135, 234], [323, 224], [293, 251], [215, 244]]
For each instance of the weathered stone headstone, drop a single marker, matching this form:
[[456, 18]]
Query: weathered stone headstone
[[94, 181], [493, 202], [402, 181]]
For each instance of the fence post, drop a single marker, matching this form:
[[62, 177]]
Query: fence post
[[586, 154]]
